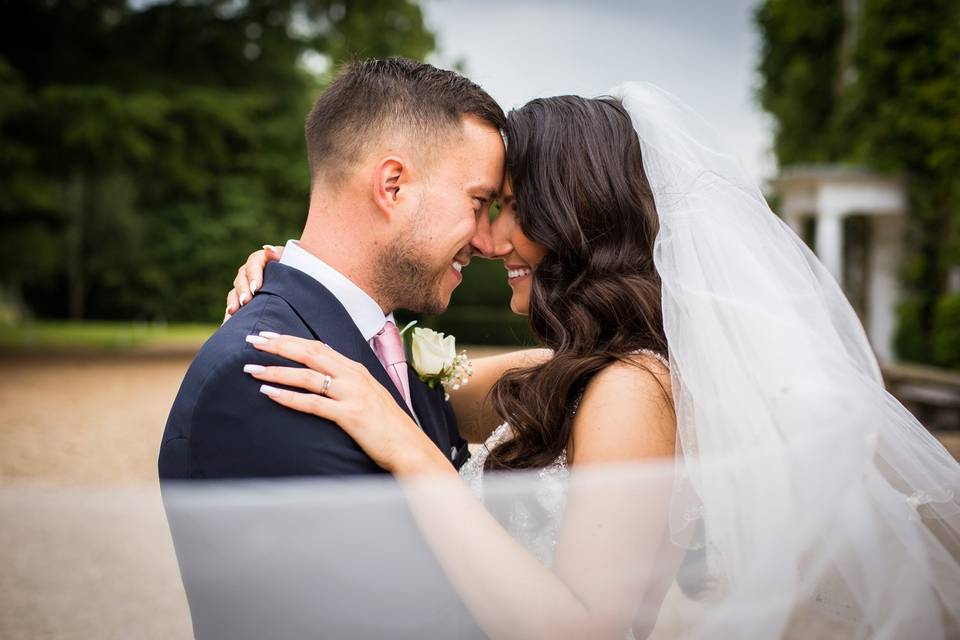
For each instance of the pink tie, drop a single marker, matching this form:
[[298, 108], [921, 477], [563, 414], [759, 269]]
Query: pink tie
[[388, 345]]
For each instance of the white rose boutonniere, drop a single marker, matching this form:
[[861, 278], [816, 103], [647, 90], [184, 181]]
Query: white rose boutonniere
[[435, 359]]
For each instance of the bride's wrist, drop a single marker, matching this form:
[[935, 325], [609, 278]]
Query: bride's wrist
[[422, 460]]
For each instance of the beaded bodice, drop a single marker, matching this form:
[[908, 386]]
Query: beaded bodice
[[535, 522]]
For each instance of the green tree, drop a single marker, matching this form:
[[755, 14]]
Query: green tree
[[879, 88], [905, 111], [799, 57], [147, 150]]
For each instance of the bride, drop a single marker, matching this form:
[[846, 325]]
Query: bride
[[683, 324]]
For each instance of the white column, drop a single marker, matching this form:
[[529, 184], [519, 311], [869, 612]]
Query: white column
[[884, 283], [829, 242]]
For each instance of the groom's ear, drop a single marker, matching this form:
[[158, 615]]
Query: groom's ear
[[389, 177]]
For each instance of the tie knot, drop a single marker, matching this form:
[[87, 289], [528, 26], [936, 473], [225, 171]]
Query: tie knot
[[389, 345]]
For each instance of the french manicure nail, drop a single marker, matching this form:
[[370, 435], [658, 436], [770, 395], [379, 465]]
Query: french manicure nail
[[243, 297], [268, 247], [255, 340], [253, 368], [253, 286], [269, 335], [268, 390]]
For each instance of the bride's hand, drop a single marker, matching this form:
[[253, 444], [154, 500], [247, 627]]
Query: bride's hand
[[249, 278], [353, 399]]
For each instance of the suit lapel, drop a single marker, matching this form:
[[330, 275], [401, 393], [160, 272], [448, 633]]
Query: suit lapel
[[327, 320], [428, 410]]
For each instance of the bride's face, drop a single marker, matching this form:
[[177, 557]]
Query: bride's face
[[519, 253]]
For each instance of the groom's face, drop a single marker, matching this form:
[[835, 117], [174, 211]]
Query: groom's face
[[456, 192]]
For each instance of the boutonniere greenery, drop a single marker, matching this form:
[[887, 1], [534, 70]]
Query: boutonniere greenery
[[435, 359]]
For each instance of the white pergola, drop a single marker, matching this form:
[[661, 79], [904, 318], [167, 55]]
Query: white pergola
[[829, 194]]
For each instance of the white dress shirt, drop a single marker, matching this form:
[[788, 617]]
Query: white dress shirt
[[363, 310]]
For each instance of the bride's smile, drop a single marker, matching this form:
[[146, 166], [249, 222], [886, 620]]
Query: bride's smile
[[515, 273], [520, 254]]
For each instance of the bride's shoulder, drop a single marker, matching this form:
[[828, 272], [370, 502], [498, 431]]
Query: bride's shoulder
[[642, 370], [626, 412]]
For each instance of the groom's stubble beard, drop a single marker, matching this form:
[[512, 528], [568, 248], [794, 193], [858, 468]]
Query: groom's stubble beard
[[404, 279]]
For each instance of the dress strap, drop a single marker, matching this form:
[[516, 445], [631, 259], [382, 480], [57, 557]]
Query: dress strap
[[579, 396], [651, 352]]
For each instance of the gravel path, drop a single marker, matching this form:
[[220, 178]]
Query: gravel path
[[94, 420], [84, 542]]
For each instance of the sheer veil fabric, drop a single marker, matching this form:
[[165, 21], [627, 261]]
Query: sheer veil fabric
[[806, 501], [844, 507]]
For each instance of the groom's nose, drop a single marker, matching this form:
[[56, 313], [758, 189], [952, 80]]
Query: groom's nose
[[482, 241]]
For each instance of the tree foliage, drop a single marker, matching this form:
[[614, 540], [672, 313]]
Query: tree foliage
[[148, 147], [889, 98], [906, 109], [798, 61]]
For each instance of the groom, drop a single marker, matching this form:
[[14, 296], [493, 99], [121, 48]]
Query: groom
[[405, 159]]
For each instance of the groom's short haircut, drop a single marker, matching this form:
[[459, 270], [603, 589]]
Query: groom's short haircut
[[373, 98]]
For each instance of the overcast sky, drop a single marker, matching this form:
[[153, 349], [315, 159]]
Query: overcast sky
[[703, 51]]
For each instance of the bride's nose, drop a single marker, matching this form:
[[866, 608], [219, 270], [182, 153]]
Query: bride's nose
[[492, 239]]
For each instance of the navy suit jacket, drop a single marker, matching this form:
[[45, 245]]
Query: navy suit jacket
[[221, 426]]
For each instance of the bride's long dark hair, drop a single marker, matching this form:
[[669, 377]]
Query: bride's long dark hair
[[577, 173]]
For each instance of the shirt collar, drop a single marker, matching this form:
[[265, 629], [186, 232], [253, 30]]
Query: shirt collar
[[363, 310]]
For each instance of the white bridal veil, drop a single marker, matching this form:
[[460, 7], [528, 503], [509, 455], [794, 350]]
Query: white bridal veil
[[843, 505], [805, 501]]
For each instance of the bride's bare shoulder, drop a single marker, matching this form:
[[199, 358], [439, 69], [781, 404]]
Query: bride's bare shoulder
[[642, 374], [626, 413]]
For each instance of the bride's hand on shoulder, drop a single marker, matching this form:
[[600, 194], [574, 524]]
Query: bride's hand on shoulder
[[249, 278], [343, 391]]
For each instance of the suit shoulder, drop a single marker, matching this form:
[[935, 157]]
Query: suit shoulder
[[228, 346], [263, 313], [223, 354]]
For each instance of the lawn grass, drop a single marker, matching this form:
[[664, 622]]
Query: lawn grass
[[108, 336], [116, 337]]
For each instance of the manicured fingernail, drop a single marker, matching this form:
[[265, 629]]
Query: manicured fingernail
[[243, 298], [253, 286], [268, 247], [256, 340], [268, 390], [253, 368], [269, 335]]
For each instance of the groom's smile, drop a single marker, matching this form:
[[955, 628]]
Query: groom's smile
[[458, 265], [466, 179]]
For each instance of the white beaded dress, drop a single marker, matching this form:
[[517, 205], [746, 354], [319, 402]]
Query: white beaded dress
[[534, 523]]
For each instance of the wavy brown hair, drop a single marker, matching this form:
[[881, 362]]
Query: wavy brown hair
[[581, 192]]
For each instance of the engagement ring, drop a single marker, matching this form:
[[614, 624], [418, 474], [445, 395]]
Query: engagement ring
[[327, 381]]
